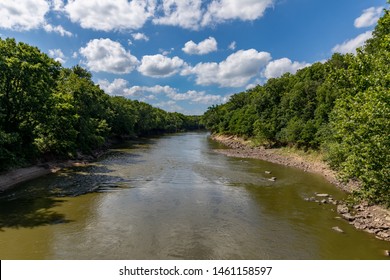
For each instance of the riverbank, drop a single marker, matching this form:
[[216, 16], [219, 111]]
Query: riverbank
[[370, 218], [14, 177]]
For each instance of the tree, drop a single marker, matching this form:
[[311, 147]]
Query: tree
[[27, 79]]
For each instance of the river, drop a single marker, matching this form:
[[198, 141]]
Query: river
[[173, 197]]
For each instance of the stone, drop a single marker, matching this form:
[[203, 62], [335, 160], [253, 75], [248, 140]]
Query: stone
[[338, 229], [387, 253], [267, 172], [272, 179], [342, 209], [322, 195], [348, 217], [383, 234]]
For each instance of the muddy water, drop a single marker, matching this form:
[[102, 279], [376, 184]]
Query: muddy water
[[174, 198]]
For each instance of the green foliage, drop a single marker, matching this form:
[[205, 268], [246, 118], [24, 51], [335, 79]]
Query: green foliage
[[361, 146], [27, 78], [341, 106]]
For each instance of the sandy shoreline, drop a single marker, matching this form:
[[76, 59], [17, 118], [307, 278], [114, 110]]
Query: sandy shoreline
[[370, 218]]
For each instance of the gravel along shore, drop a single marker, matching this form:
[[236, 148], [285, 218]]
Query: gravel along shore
[[370, 218]]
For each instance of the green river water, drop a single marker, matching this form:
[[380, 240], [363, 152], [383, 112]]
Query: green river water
[[173, 197]]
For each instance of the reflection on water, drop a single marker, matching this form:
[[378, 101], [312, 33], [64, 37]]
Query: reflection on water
[[174, 198]]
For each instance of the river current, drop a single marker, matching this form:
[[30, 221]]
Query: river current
[[174, 197]]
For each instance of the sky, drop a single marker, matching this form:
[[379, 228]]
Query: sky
[[187, 55]]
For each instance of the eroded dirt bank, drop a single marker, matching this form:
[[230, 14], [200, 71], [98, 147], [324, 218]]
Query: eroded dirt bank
[[370, 218], [12, 178]]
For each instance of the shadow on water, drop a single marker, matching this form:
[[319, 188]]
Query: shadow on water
[[29, 213], [31, 204]]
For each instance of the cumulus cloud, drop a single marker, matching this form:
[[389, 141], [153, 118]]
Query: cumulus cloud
[[107, 15], [183, 13], [121, 87], [204, 47], [196, 97], [160, 66], [23, 14], [278, 67], [369, 17], [350, 46], [29, 14], [140, 36], [57, 5], [57, 29], [235, 71], [116, 87], [223, 10], [169, 106], [105, 55], [57, 55]]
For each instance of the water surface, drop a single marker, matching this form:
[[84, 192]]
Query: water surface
[[173, 197]]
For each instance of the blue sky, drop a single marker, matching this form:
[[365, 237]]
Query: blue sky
[[185, 55]]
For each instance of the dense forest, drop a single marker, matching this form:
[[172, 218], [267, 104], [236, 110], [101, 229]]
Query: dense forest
[[340, 108], [48, 111]]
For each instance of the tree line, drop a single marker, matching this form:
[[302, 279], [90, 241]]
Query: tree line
[[48, 111], [340, 107]]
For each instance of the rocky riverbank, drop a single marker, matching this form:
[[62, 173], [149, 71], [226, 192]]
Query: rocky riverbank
[[370, 218]]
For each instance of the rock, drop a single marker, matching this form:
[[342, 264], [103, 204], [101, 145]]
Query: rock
[[387, 253], [324, 201], [267, 172], [338, 229], [383, 234], [322, 195], [272, 179], [348, 217], [342, 209]]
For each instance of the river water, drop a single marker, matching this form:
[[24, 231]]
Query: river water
[[173, 197]]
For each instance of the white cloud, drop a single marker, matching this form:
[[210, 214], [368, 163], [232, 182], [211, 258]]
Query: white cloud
[[235, 71], [120, 87], [223, 10], [57, 29], [232, 46], [117, 87], [196, 97], [278, 67], [204, 47], [57, 55], [110, 15], [369, 17], [169, 106], [23, 14], [57, 5], [160, 66], [140, 36], [166, 52], [105, 55], [350, 46], [183, 13], [29, 14]]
